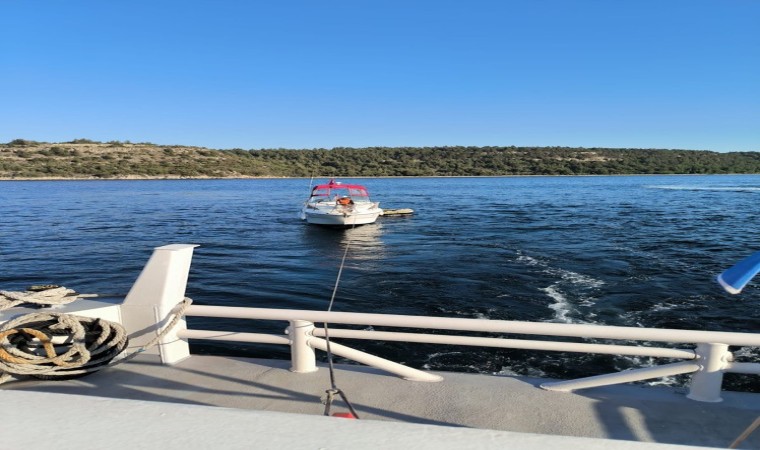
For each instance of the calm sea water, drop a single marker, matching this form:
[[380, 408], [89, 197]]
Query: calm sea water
[[638, 251]]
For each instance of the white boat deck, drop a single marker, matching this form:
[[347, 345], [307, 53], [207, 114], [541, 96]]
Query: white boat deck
[[220, 402], [511, 404]]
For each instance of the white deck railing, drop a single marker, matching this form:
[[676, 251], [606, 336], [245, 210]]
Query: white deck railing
[[162, 283]]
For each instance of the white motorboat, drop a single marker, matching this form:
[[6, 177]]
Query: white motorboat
[[339, 204]]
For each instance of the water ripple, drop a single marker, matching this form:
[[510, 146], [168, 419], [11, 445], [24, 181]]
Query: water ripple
[[630, 251]]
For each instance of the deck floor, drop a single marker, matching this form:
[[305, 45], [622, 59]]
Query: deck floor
[[633, 413]]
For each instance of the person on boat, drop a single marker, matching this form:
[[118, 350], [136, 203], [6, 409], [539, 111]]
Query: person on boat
[[345, 201]]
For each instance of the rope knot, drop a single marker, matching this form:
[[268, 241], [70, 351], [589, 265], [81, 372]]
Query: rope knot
[[329, 396]]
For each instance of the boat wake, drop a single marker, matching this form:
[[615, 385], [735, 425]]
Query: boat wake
[[566, 285], [748, 189]]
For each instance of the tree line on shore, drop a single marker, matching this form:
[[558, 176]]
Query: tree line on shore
[[83, 158]]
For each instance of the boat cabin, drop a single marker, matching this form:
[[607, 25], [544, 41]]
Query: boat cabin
[[343, 194]]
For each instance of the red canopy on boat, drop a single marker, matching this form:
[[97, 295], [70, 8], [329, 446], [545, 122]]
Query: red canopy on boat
[[332, 185]]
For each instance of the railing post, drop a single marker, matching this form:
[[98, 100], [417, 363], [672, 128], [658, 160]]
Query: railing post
[[149, 305], [303, 358], [707, 382]]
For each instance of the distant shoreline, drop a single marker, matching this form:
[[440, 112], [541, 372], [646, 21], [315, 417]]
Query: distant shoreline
[[178, 178], [84, 160]]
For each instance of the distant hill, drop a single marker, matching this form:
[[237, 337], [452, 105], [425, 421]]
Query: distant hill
[[82, 158]]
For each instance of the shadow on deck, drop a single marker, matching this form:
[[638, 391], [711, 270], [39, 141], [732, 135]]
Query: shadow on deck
[[631, 413]]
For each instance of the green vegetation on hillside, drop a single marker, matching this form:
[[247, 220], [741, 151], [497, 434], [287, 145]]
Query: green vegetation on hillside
[[83, 158]]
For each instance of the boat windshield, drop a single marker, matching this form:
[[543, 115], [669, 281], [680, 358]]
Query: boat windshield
[[330, 193]]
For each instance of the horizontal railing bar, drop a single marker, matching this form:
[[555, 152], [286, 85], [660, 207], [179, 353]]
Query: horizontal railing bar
[[450, 340], [628, 350], [484, 325], [234, 337], [735, 367]]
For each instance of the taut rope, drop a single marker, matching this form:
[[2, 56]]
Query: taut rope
[[330, 393], [745, 434]]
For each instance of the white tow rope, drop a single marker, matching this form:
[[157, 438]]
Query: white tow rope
[[330, 393]]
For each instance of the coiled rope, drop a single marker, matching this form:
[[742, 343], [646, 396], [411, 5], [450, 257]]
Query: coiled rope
[[46, 295], [58, 346], [55, 346]]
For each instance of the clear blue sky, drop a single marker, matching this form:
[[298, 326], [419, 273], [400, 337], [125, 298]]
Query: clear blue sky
[[306, 74]]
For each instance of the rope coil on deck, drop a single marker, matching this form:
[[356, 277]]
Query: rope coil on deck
[[59, 346], [47, 295]]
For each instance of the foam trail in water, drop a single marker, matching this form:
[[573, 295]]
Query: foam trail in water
[[563, 308], [529, 372], [707, 188], [431, 365]]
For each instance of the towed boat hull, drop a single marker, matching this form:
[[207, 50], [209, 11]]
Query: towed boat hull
[[339, 219]]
